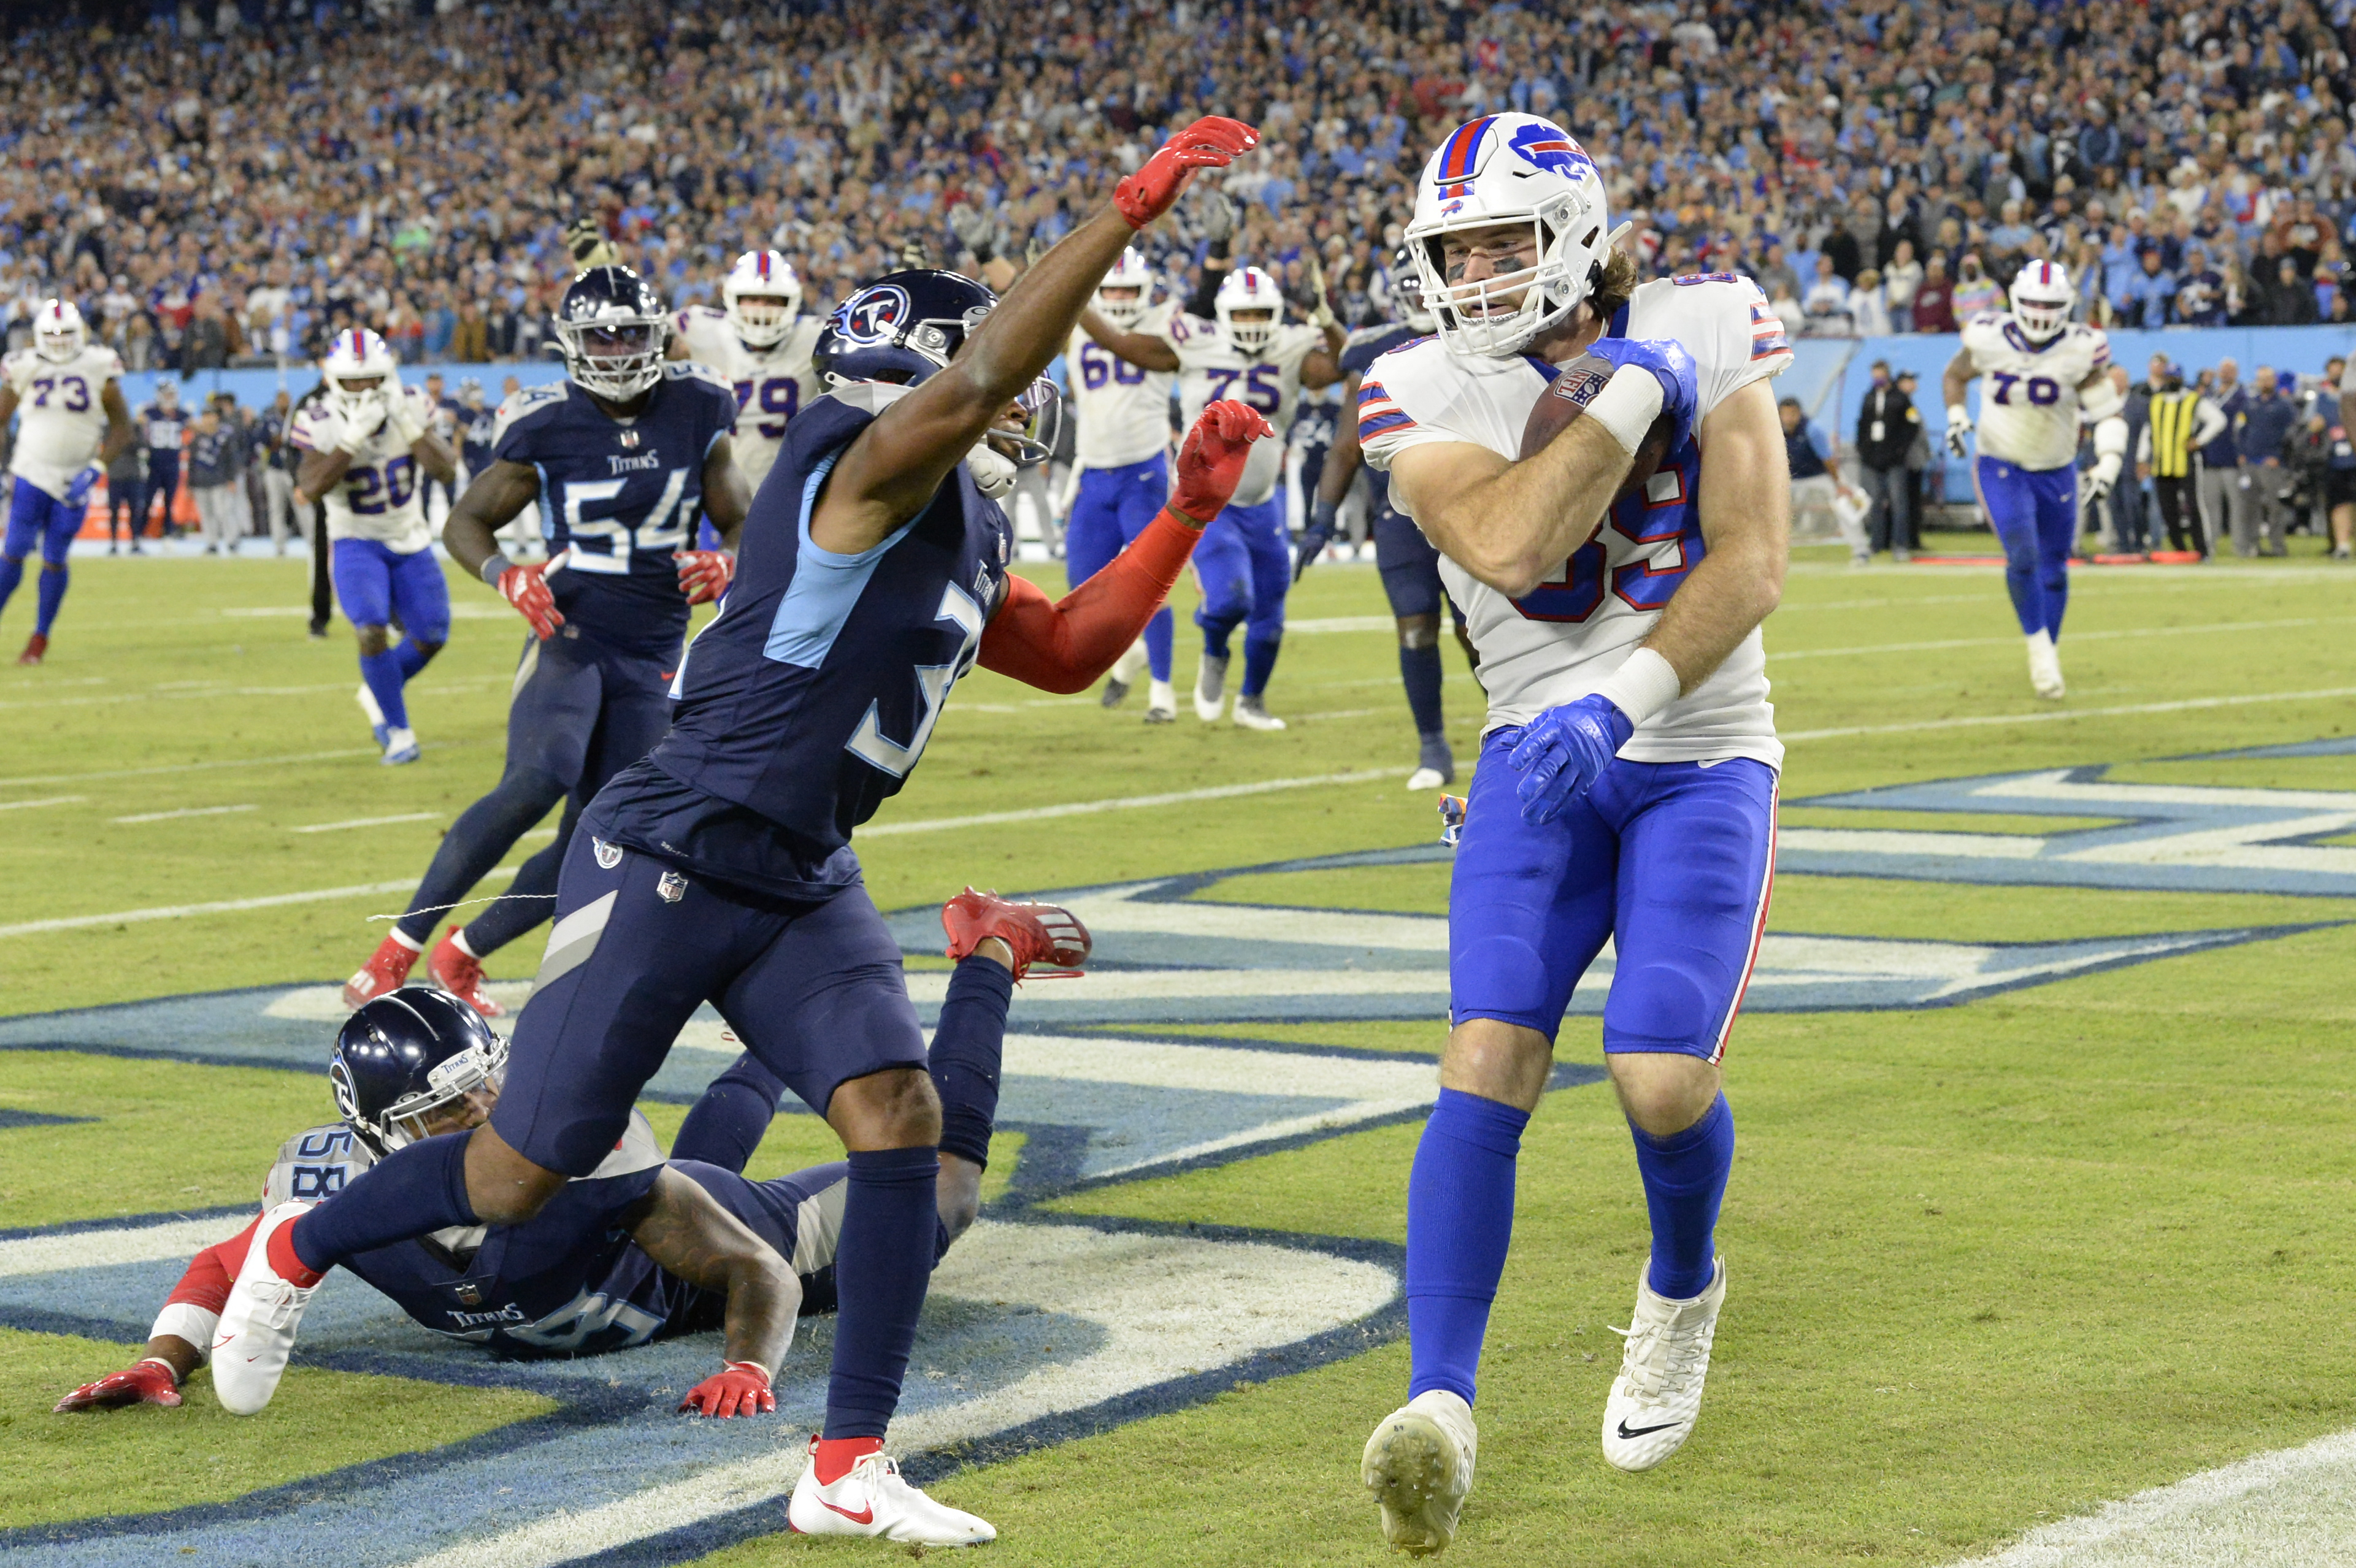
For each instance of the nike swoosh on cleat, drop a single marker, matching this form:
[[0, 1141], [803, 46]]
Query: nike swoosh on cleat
[[867, 1514], [1646, 1431]]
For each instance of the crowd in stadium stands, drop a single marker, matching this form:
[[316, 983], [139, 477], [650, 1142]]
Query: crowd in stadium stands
[[232, 189]]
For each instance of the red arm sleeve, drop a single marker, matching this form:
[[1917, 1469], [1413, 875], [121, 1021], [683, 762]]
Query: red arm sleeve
[[1064, 645], [214, 1270]]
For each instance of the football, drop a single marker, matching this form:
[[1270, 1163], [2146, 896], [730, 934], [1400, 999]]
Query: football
[[1567, 397]]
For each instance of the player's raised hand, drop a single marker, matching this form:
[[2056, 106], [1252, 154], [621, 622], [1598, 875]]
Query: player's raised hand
[[739, 1388], [526, 587], [1670, 363], [362, 417], [1212, 142], [152, 1382], [1564, 751], [705, 574], [1211, 464], [589, 246]]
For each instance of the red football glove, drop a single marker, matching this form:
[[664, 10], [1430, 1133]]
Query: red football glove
[[739, 1388], [1212, 142], [530, 596], [1211, 464], [152, 1382], [705, 574]]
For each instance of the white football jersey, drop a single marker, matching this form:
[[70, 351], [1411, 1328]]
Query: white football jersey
[[379, 497], [1558, 642], [1270, 382], [2028, 395], [771, 384], [1122, 412], [60, 413]]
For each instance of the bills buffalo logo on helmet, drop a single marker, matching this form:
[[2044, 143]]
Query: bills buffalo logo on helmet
[[874, 314], [1549, 147]]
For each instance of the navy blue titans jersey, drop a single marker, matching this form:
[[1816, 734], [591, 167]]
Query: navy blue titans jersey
[[1367, 345], [570, 1282], [622, 496], [807, 702], [476, 428]]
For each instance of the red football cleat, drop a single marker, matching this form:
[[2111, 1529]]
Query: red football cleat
[[35, 647], [387, 968], [460, 973], [1038, 933]]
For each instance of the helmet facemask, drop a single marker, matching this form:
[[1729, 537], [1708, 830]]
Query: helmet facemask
[[616, 356], [59, 336], [1500, 314], [1122, 313]]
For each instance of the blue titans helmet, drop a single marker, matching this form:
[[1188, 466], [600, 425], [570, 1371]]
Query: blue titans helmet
[[613, 329], [904, 326], [407, 1054]]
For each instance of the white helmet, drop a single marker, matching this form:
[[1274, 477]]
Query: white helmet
[[762, 297], [1248, 288], [358, 355], [1510, 168], [57, 331], [1130, 273], [2042, 299]]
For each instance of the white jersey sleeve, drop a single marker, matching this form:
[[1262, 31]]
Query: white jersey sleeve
[[2029, 392], [60, 413], [1561, 640], [1122, 412], [379, 497]]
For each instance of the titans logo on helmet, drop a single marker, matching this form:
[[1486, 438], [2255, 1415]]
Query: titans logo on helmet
[[1550, 147], [873, 315]]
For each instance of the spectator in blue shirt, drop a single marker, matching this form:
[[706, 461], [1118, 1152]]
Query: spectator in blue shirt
[[2261, 429], [2200, 293], [2149, 294]]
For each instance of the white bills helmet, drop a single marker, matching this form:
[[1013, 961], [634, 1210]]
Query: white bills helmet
[[763, 296], [1510, 169], [1252, 290], [1130, 273], [359, 364], [58, 332], [2042, 299]]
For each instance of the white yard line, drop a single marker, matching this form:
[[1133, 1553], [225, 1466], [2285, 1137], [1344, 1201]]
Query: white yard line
[[1124, 803], [2047, 716], [219, 906], [188, 767], [1780, 654], [369, 822], [50, 800], [183, 811]]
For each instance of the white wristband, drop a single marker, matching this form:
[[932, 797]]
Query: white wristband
[[186, 1320], [1957, 414], [1642, 685], [1628, 405]]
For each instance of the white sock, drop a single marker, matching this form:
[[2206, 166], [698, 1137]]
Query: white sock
[[1125, 668], [1161, 695], [407, 941], [458, 941]]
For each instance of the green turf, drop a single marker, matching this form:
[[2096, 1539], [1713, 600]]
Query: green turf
[[146, 1459], [1990, 1265]]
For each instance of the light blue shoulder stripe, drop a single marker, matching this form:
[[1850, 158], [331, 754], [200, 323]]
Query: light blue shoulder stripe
[[825, 589]]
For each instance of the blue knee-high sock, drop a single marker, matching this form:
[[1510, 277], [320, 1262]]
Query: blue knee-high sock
[[1684, 1176], [382, 673], [964, 1061], [1460, 1222], [1260, 649], [52, 591], [890, 1222], [1158, 636], [415, 1191], [1215, 632], [2023, 581], [2056, 594], [12, 572], [726, 1125], [412, 657], [1419, 673], [529, 900]]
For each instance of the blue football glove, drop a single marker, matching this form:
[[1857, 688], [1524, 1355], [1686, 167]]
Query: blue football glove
[[78, 491], [1669, 362], [1314, 538], [1564, 751]]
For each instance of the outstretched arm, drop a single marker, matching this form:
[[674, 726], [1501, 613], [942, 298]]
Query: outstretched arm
[[890, 471], [1141, 349], [684, 1229], [177, 1345]]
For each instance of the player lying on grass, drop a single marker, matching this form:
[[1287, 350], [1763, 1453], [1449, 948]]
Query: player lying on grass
[[874, 573], [643, 1248]]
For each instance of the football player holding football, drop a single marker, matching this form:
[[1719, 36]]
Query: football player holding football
[[1626, 786], [75, 423], [873, 575], [621, 458]]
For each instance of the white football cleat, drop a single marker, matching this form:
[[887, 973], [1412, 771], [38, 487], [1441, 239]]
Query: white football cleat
[[2044, 666], [1418, 1464], [1657, 1395], [369, 706], [1251, 714], [1160, 704], [400, 746], [872, 1498], [1210, 689], [1436, 768], [257, 1324]]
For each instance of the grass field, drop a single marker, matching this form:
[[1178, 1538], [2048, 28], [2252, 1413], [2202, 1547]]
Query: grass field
[[1991, 1263]]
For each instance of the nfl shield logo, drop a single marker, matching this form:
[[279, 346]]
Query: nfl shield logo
[[629, 441], [672, 887], [469, 1294]]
